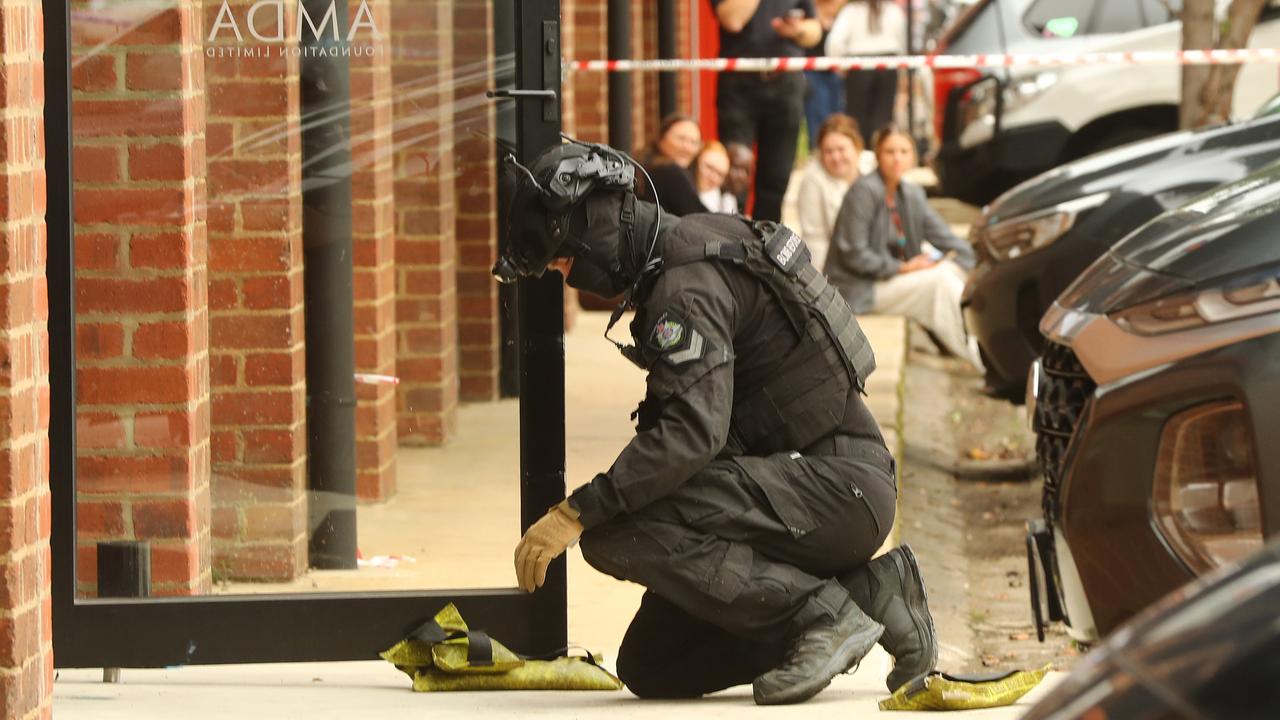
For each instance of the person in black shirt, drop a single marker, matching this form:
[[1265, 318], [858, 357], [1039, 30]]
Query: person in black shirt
[[765, 109]]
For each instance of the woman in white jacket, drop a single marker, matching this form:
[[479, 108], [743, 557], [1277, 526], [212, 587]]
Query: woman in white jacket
[[869, 27], [827, 176]]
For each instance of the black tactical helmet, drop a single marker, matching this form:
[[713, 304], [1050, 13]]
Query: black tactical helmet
[[544, 198]]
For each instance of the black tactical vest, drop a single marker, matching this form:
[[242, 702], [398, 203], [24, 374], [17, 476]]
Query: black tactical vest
[[806, 394]]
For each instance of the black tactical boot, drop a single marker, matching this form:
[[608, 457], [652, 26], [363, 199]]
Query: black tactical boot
[[892, 592], [821, 651]]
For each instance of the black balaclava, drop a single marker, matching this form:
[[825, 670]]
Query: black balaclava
[[608, 256]]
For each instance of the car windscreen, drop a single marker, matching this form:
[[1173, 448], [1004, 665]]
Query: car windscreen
[[1073, 18]]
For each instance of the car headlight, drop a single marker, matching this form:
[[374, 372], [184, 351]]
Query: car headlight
[[1245, 296], [1018, 236], [1205, 493]]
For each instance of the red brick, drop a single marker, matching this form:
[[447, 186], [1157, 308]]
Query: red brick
[[163, 340], [99, 430], [97, 341], [247, 99], [167, 250], [164, 294], [267, 562], [163, 70], [133, 385], [271, 293], [275, 521], [142, 475], [93, 73], [99, 519], [162, 27], [223, 294], [283, 368], [226, 523], [257, 408], [263, 253], [132, 206], [175, 563], [96, 164], [164, 430], [167, 117], [163, 161], [266, 215], [266, 176], [253, 331], [164, 519], [272, 446], [222, 370]]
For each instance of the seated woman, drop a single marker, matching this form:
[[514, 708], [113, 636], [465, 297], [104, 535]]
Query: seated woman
[[668, 160], [827, 178], [710, 170], [877, 258]]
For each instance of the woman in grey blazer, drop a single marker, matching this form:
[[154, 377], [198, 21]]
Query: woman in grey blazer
[[876, 257]]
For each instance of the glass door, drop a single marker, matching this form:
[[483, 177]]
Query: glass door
[[285, 422]]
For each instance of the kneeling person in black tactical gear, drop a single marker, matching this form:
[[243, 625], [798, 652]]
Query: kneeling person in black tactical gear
[[757, 486]]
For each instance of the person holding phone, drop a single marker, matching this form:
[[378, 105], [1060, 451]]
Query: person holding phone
[[765, 109]]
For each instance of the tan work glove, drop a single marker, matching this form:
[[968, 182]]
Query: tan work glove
[[543, 542]]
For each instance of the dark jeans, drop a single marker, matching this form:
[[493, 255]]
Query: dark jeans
[[824, 98], [738, 559], [764, 109], [869, 97]]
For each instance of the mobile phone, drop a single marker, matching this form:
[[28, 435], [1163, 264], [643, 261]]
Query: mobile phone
[[795, 14]]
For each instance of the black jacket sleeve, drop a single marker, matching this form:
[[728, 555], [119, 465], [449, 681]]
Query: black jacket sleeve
[[688, 344]]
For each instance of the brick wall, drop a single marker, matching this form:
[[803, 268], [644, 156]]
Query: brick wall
[[141, 300], [426, 266], [257, 356], [26, 632], [476, 222], [373, 237], [586, 101]]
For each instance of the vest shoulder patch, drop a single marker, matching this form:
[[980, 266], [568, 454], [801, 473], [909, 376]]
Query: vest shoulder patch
[[675, 340]]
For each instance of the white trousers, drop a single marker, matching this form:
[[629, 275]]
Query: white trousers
[[932, 298]]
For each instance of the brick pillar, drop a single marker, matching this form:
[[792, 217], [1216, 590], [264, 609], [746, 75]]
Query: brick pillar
[[586, 35], [426, 292], [141, 296], [476, 222], [257, 360], [26, 630], [373, 232]]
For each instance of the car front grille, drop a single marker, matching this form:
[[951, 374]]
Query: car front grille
[[1061, 399]]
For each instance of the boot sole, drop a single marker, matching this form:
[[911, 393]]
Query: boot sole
[[915, 600], [850, 653]]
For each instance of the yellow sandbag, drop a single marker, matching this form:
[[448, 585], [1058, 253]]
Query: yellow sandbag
[[939, 691], [565, 673], [448, 649]]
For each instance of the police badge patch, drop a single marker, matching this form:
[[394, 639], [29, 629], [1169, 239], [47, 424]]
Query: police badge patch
[[667, 333], [676, 341]]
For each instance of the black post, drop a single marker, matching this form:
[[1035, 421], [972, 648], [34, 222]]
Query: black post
[[124, 569], [541, 301], [666, 51], [327, 286], [504, 46], [620, 82]]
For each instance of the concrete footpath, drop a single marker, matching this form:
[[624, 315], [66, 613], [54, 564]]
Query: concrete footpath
[[602, 388]]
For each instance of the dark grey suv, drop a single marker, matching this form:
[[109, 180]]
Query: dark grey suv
[[1156, 407]]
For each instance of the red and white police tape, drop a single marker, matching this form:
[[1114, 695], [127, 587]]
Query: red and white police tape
[[796, 64]]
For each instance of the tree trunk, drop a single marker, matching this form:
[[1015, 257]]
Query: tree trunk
[[1208, 90]]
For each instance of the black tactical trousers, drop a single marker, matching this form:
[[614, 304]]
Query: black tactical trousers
[[739, 559]]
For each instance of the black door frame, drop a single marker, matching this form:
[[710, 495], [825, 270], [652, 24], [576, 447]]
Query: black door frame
[[156, 632]]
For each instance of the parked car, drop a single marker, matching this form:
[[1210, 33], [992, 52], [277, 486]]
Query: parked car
[[1035, 239], [1155, 409], [1210, 650], [1007, 125]]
